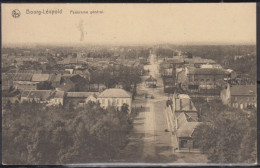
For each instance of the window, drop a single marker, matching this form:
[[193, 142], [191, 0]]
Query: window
[[195, 80], [183, 144], [103, 101], [202, 80], [114, 102], [207, 80], [190, 79], [128, 102]]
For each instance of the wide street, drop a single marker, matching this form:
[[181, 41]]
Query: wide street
[[149, 140]]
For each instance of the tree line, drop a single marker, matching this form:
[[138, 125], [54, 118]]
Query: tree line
[[227, 135], [37, 134]]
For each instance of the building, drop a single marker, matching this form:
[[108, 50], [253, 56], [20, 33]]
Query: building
[[23, 81], [77, 98], [240, 96], [115, 97], [185, 127], [182, 103], [150, 82], [55, 80], [166, 69], [183, 119], [49, 97], [57, 98], [40, 77], [204, 81]]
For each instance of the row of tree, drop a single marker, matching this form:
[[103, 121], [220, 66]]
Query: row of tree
[[111, 76], [228, 135], [36, 134]]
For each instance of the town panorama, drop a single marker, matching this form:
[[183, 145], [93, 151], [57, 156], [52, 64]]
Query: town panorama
[[129, 84], [159, 103]]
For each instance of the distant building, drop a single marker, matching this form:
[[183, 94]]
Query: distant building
[[57, 98], [23, 81], [31, 81], [150, 82], [116, 98], [49, 97], [77, 98], [240, 96], [40, 77], [182, 103], [206, 81], [166, 70]]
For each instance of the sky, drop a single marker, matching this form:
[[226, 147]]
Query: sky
[[132, 24]]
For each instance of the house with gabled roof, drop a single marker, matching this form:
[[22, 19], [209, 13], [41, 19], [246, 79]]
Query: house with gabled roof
[[182, 103], [184, 120], [240, 96], [115, 97], [185, 127]]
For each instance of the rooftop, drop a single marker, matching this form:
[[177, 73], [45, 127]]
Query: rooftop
[[207, 71], [40, 77], [23, 77], [115, 93], [243, 90], [81, 94], [185, 128]]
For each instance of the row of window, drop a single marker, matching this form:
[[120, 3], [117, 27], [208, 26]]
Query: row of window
[[248, 98], [115, 101], [245, 105]]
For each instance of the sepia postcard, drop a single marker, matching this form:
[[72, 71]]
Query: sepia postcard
[[129, 84]]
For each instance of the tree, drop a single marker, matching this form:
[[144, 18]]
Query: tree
[[222, 138]]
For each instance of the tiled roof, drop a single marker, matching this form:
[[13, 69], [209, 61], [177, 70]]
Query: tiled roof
[[185, 128], [208, 71], [55, 78], [117, 93], [81, 94], [40, 77], [243, 90], [23, 77]]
